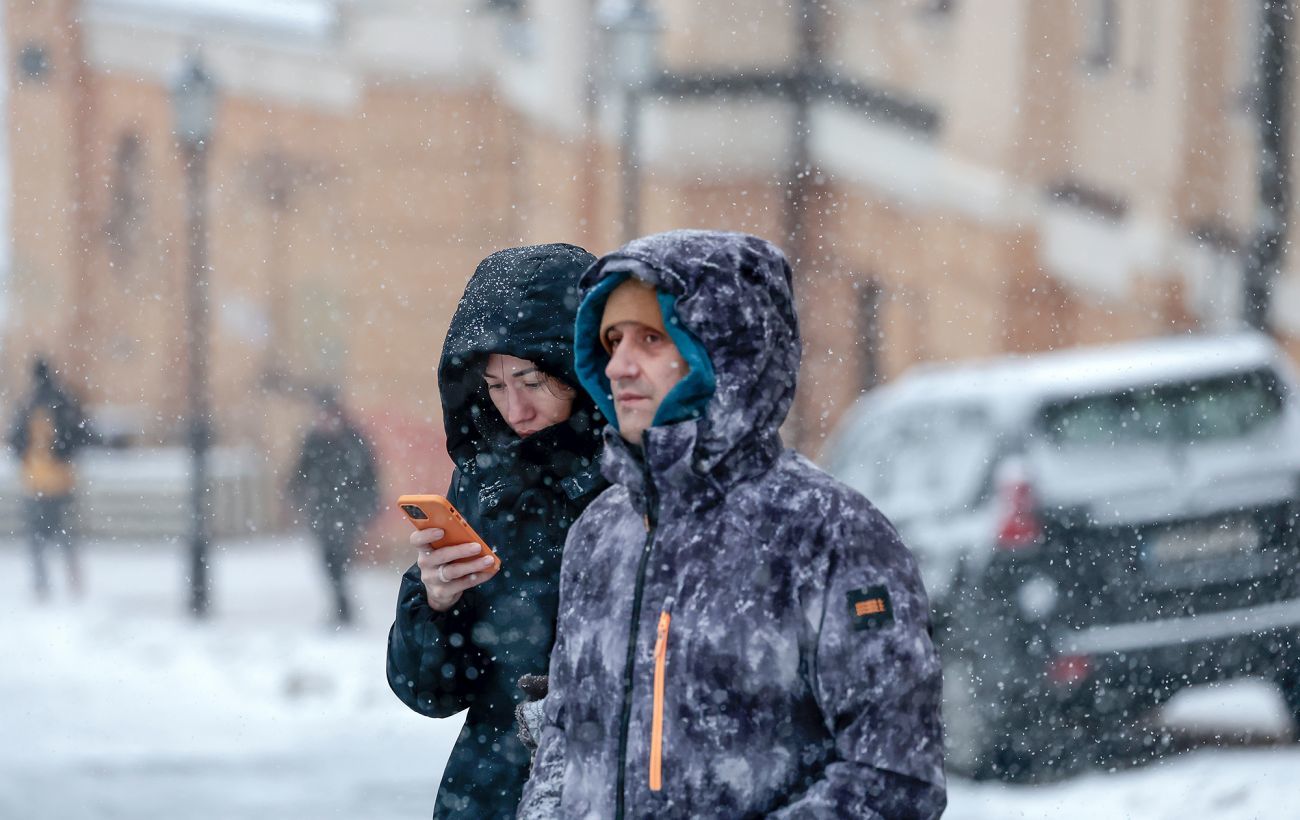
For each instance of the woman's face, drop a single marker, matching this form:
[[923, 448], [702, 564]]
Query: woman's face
[[526, 398]]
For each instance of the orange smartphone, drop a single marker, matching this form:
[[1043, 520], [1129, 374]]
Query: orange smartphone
[[434, 511]]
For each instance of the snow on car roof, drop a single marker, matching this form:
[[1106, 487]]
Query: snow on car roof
[[1081, 371]]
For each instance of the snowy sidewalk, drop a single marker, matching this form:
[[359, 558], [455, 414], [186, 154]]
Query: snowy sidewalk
[[119, 706]]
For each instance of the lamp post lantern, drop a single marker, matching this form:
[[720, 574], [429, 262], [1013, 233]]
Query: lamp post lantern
[[194, 104], [632, 46]]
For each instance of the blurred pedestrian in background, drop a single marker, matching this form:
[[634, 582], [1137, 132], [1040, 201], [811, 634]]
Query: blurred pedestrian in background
[[525, 442], [336, 488], [47, 434]]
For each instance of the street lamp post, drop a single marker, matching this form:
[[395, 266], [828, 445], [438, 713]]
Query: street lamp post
[[632, 51], [194, 102], [1273, 114]]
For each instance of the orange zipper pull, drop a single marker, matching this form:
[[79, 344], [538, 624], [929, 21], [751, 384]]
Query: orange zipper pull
[[657, 722]]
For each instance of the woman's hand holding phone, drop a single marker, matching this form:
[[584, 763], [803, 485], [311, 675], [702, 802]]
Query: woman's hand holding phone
[[444, 580]]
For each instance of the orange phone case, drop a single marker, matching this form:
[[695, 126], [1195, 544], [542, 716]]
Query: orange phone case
[[438, 512]]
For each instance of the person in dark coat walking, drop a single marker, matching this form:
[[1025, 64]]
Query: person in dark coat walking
[[524, 440], [739, 635], [48, 432], [336, 487]]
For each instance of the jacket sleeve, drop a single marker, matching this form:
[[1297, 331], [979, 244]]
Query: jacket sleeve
[[18, 434], [425, 670], [545, 786], [432, 663], [83, 430], [877, 679], [368, 483], [297, 481]]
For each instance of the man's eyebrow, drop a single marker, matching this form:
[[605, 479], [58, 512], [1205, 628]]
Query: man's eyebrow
[[527, 371]]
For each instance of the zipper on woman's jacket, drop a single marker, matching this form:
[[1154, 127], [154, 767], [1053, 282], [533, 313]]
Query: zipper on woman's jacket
[[651, 520]]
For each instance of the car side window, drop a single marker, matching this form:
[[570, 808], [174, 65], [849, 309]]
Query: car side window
[[922, 460]]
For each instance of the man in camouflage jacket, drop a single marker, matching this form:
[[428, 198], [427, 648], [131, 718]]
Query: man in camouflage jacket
[[739, 634]]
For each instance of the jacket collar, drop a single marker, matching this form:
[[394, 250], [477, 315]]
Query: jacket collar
[[562, 458], [684, 478]]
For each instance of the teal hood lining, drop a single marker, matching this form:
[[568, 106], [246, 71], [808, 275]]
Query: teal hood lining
[[689, 397]]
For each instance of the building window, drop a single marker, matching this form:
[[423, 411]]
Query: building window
[[125, 223], [1246, 67], [33, 62], [1101, 34], [1087, 197], [870, 327], [518, 34]]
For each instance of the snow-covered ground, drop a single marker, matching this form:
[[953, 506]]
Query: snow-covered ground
[[117, 705]]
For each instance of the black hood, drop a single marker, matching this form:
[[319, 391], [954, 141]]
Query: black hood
[[519, 302]]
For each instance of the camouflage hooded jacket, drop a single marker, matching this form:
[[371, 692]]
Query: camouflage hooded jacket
[[739, 634]]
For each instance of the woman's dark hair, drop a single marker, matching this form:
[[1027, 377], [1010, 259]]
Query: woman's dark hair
[[549, 380]]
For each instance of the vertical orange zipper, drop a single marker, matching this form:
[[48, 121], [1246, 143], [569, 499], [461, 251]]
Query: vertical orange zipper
[[657, 723]]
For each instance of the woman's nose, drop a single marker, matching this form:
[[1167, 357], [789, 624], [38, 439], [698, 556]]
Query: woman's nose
[[520, 409]]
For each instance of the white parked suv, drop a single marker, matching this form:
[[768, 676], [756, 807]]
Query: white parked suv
[[1097, 528]]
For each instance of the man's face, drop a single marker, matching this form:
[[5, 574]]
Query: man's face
[[644, 365]]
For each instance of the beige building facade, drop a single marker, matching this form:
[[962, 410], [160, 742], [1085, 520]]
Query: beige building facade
[[953, 179]]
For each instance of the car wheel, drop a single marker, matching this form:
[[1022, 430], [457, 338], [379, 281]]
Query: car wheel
[[980, 727], [1288, 680], [998, 721], [968, 722]]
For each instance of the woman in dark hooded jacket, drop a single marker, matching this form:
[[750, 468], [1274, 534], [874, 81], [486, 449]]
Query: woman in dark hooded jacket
[[462, 637]]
